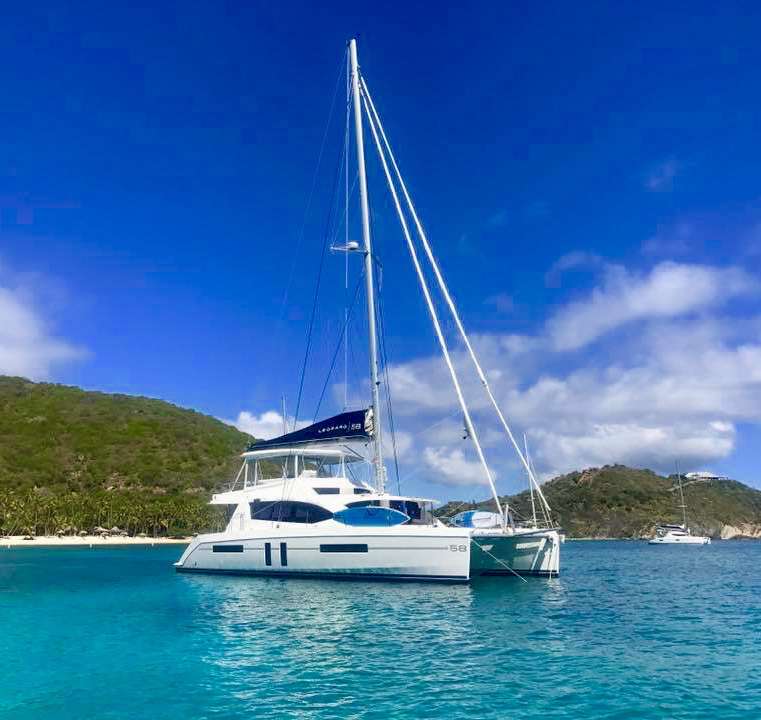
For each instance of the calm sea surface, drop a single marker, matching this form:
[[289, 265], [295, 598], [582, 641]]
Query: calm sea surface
[[628, 631]]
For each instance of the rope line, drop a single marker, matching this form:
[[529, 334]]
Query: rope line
[[494, 557]]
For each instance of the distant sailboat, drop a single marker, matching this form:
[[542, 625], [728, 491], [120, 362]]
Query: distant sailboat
[[678, 534]]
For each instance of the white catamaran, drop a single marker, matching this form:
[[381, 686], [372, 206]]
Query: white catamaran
[[298, 507], [678, 534]]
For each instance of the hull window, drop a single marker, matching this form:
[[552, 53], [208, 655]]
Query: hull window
[[288, 511], [363, 503], [344, 548], [283, 554], [227, 548], [267, 554]]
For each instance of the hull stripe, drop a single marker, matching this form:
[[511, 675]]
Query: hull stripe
[[317, 575], [507, 573]]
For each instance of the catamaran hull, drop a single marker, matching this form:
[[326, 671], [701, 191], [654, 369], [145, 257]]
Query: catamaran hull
[[683, 540], [422, 557], [452, 557], [522, 554]]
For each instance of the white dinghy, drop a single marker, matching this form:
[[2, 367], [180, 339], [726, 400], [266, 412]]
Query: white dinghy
[[299, 506]]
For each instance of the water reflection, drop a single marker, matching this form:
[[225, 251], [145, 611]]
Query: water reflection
[[589, 643]]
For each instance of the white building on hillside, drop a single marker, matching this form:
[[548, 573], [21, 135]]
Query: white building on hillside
[[704, 475]]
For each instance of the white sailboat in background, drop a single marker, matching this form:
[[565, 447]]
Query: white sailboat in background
[[678, 534], [299, 507]]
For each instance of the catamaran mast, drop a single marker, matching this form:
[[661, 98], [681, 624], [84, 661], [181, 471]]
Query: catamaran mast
[[380, 479], [681, 495]]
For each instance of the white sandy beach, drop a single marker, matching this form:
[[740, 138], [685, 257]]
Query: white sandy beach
[[86, 541]]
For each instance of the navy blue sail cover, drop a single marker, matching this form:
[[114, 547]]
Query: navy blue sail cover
[[353, 425]]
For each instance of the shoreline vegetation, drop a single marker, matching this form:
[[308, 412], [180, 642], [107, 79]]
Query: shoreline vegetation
[[43, 513]]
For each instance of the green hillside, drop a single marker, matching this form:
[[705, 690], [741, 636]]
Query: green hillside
[[70, 457], [618, 501], [72, 460]]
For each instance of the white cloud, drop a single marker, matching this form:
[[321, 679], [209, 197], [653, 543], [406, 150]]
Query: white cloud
[[676, 389], [633, 444], [27, 347], [267, 425], [451, 467], [575, 260], [669, 290], [404, 444], [661, 178], [418, 384], [673, 390], [264, 426]]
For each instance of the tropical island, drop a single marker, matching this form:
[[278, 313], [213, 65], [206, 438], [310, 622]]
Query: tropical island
[[76, 462], [616, 501]]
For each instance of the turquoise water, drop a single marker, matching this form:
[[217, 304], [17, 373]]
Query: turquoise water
[[628, 631]]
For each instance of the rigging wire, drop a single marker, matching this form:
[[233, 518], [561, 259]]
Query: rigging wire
[[328, 231], [315, 175], [339, 344], [429, 302], [380, 320], [384, 361], [373, 113]]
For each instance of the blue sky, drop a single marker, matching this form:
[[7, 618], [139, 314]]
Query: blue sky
[[588, 175]]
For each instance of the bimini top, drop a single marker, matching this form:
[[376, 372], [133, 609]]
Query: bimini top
[[354, 425], [336, 451]]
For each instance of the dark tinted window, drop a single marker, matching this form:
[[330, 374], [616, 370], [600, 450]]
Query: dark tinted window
[[327, 491], [227, 548], [288, 511], [408, 507], [361, 491], [364, 503]]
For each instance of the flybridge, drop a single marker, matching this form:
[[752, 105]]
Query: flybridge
[[353, 425]]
